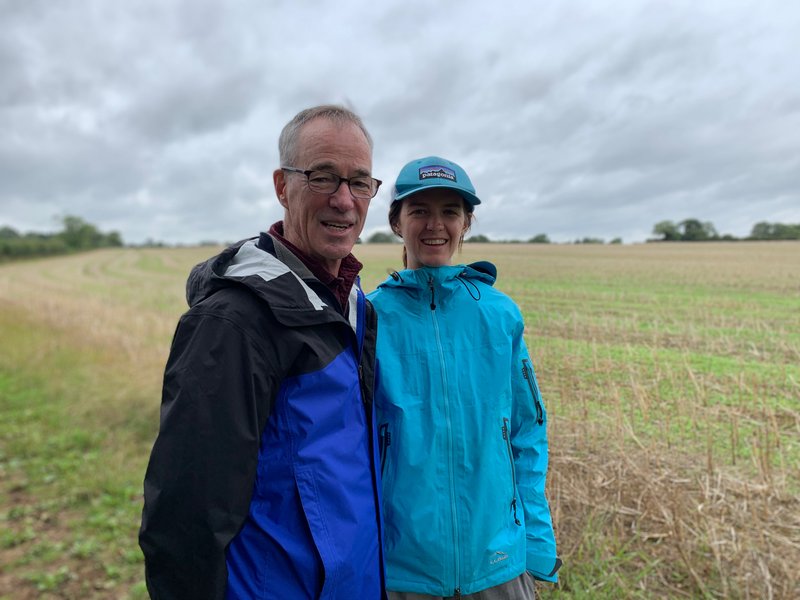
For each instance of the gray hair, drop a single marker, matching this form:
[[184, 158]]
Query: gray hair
[[287, 143]]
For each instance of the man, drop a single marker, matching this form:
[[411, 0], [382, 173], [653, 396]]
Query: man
[[262, 482]]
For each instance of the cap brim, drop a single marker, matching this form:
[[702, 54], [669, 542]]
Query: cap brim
[[469, 198]]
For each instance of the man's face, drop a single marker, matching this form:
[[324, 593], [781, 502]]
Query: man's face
[[325, 226]]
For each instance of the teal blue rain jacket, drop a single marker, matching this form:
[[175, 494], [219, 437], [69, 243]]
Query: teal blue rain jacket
[[462, 434]]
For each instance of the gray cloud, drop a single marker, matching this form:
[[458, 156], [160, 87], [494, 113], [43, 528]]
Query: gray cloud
[[160, 119]]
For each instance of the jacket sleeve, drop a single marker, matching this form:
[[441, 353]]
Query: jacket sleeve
[[529, 445], [217, 394]]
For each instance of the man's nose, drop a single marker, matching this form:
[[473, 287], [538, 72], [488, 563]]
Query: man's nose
[[342, 199]]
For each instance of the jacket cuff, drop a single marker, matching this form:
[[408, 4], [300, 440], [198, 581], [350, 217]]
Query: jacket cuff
[[536, 562]]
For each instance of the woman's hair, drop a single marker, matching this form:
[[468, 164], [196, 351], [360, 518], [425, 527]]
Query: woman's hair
[[394, 222]]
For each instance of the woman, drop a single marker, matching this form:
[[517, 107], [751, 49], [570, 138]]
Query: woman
[[462, 427]]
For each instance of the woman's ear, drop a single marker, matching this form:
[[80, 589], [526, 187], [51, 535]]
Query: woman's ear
[[468, 217]]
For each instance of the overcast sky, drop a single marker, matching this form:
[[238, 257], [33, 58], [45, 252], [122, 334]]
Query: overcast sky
[[160, 118]]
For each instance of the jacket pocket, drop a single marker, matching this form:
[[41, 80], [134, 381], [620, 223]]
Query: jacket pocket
[[510, 454], [384, 441], [316, 519], [530, 377]]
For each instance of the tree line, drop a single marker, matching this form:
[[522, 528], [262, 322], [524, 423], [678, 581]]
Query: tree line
[[688, 230], [693, 230], [76, 235], [386, 237]]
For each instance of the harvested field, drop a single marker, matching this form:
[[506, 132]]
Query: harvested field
[[671, 373]]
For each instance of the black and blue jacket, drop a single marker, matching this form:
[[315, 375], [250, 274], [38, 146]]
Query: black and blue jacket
[[262, 482]]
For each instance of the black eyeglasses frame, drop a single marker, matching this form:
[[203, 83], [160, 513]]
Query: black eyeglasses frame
[[307, 173]]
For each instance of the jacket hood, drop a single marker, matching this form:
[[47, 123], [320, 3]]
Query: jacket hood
[[271, 272], [482, 271], [208, 276]]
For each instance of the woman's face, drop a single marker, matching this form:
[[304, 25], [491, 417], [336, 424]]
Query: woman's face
[[431, 223]]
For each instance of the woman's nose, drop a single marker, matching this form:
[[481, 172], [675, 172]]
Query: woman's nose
[[434, 222]]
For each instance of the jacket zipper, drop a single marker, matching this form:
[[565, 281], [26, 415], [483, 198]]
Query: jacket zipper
[[361, 385], [384, 441], [507, 439], [448, 421], [368, 408], [527, 373]]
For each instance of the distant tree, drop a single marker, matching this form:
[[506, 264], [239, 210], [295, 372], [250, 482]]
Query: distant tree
[[80, 235], [113, 239], [8, 233], [151, 243], [761, 231], [76, 235], [775, 231], [616, 240], [590, 240], [786, 232], [693, 230], [688, 230], [668, 230], [478, 239], [382, 237], [540, 238]]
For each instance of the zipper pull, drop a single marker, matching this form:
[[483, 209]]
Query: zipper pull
[[384, 441], [430, 285], [514, 508]]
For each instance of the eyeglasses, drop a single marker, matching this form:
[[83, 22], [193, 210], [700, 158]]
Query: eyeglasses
[[322, 182]]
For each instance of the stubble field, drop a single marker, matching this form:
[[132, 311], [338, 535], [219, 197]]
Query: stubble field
[[671, 375]]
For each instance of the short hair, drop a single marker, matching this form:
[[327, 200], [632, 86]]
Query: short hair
[[287, 142]]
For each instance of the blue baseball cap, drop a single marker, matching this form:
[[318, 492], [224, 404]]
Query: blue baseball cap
[[433, 172]]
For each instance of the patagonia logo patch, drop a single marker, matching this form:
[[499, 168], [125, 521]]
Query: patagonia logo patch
[[437, 172]]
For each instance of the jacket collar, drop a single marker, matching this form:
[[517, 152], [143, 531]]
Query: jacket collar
[[445, 276]]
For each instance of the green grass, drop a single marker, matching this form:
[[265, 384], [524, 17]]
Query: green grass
[[601, 559], [70, 517]]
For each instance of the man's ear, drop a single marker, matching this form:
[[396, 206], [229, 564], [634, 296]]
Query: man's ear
[[279, 180]]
